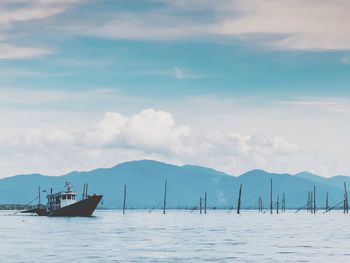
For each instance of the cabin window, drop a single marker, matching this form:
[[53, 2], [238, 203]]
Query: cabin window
[[69, 197], [63, 197], [73, 197]]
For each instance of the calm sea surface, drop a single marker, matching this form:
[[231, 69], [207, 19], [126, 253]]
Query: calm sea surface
[[178, 236]]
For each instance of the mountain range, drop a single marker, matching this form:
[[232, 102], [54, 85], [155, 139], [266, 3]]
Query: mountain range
[[145, 181]]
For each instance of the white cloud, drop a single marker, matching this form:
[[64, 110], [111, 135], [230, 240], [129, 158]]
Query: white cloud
[[148, 134], [233, 135], [145, 26], [28, 10], [149, 131], [23, 96], [15, 52], [282, 24], [313, 24], [180, 73], [336, 105], [20, 11]]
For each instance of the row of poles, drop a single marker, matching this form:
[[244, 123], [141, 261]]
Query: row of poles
[[311, 202], [280, 205], [202, 201], [310, 205]]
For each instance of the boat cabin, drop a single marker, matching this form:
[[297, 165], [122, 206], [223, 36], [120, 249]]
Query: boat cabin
[[61, 199]]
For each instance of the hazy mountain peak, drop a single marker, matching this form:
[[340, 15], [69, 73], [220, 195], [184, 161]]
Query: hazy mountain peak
[[255, 172], [311, 177]]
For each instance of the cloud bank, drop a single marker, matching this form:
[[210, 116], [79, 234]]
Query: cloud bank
[[148, 134], [280, 24], [277, 24], [18, 13]]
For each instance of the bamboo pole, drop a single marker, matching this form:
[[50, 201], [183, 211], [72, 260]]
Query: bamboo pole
[[271, 196], [200, 205], [314, 199], [239, 200], [346, 204], [39, 198], [124, 201], [278, 203], [165, 193], [51, 201], [205, 203], [311, 203], [327, 205]]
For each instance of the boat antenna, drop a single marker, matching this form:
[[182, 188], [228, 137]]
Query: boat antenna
[[69, 186], [84, 192]]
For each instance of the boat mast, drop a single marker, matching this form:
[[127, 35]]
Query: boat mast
[[84, 192]]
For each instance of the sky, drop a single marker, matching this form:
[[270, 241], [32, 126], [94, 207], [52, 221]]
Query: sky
[[234, 85]]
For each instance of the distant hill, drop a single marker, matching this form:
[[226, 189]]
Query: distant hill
[[145, 183], [311, 177]]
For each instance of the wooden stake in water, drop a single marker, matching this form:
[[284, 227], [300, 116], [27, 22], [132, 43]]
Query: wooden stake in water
[[346, 204], [200, 205], [39, 205], [239, 200], [165, 192], [278, 203], [327, 207], [124, 201], [315, 207], [271, 196], [51, 201], [260, 205], [311, 203], [205, 203]]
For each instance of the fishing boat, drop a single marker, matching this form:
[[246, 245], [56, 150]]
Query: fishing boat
[[65, 203]]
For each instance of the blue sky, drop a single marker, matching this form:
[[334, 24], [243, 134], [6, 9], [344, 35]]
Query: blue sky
[[271, 77]]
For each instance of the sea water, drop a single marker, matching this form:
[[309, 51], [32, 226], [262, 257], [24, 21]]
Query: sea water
[[178, 236]]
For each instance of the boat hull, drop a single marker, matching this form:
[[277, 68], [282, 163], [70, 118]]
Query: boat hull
[[82, 208]]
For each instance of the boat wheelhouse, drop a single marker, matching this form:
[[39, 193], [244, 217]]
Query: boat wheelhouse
[[61, 199]]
